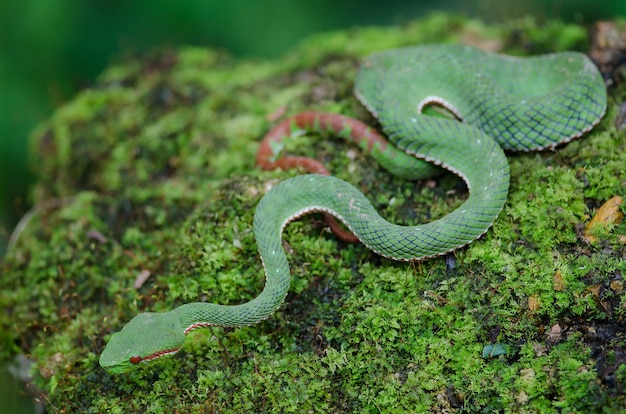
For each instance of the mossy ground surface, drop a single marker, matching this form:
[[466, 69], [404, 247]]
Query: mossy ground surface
[[152, 169]]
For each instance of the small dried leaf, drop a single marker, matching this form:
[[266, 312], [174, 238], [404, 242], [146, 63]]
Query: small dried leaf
[[141, 278], [555, 333], [617, 285], [609, 213], [595, 291], [557, 281]]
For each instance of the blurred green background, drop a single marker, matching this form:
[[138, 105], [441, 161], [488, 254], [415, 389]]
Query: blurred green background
[[50, 49]]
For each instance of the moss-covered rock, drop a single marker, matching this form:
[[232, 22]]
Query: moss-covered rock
[[151, 172]]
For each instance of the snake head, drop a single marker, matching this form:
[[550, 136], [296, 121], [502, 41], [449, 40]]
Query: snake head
[[145, 337]]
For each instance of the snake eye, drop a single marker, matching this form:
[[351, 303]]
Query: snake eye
[[135, 360]]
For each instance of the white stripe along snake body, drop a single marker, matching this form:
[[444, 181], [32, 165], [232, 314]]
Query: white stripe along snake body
[[504, 102]]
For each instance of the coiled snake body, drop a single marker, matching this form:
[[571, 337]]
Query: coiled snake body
[[505, 103]]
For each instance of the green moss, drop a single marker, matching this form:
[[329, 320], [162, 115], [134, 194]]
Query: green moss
[[153, 170]]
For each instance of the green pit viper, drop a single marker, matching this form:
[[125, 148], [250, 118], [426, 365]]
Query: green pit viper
[[504, 103]]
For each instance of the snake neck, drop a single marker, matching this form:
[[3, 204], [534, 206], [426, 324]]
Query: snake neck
[[201, 315], [269, 222]]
